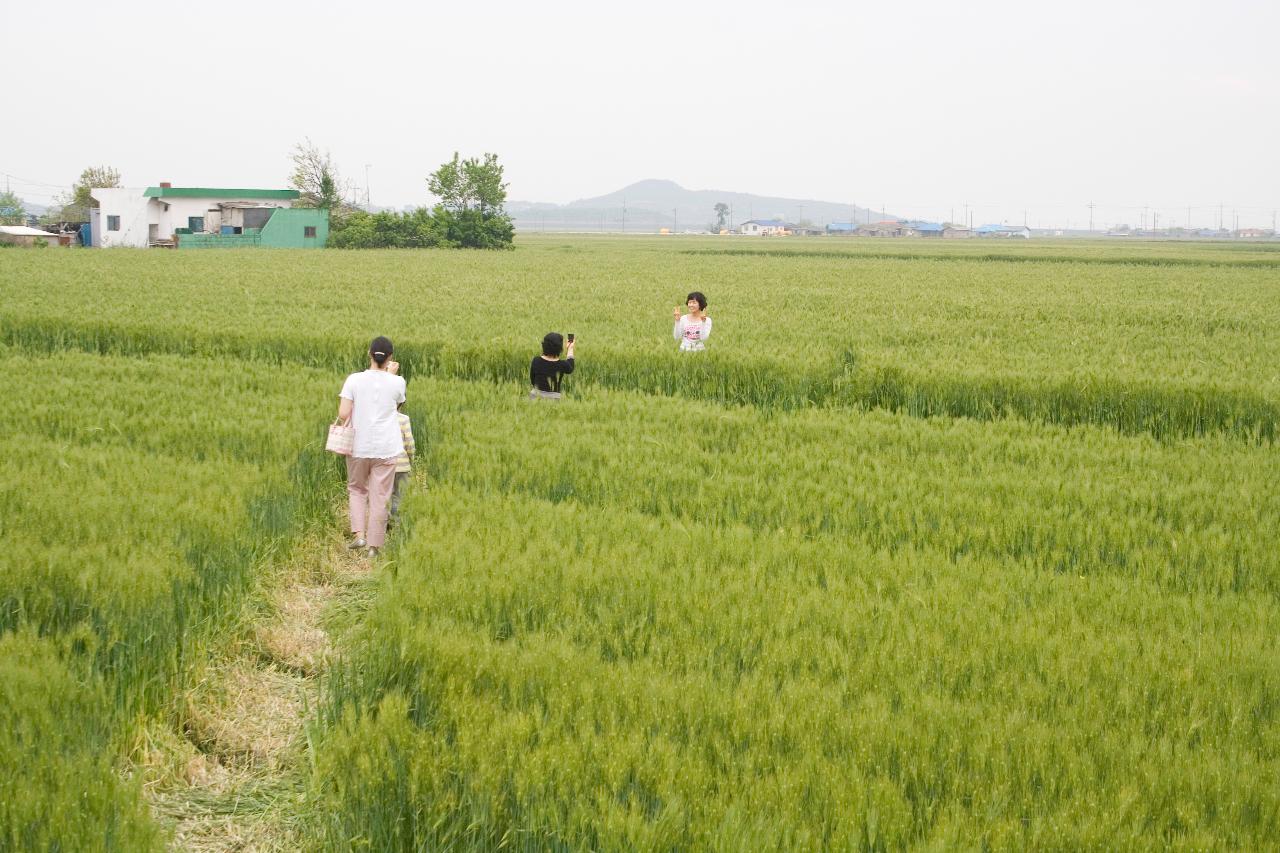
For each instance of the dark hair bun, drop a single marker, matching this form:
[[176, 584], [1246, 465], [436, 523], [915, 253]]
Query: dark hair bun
[[380, 350]]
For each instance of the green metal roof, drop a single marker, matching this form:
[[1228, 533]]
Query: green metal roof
[[216, 192]]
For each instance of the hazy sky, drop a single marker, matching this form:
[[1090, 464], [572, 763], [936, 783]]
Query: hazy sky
[[921, 107]]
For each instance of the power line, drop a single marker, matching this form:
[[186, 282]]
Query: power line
[[22, 180]]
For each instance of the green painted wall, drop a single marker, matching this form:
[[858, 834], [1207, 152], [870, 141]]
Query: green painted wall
[[284, 230], [286, 227]]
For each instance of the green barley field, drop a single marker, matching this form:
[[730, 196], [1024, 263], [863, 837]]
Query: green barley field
[[970, 546]]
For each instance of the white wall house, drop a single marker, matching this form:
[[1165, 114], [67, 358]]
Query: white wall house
[[138, 217], [763, 227]]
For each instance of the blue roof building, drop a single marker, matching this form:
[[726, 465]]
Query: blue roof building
[[1003, 231], [925, 229]]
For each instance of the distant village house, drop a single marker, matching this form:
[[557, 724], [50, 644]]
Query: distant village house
[[1006, 231], [887, 228], [764, 227]]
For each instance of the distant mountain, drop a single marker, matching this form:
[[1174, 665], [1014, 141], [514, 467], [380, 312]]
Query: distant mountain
[[653, 204]]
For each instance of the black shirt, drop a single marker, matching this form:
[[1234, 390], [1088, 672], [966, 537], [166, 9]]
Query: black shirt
[[545, 375]]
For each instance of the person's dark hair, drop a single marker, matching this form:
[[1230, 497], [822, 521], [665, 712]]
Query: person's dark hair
[[553, 344], [380, 350], [702, 300]]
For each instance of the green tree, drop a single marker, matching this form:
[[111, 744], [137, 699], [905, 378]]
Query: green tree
[[471, 184], [722, 215], [448, 183], [12, 211], [472, 197]]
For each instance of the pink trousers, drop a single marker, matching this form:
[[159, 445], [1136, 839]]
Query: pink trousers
[[369, 483]]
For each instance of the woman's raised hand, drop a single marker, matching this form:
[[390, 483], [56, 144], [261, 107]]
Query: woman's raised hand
[[675, 312]]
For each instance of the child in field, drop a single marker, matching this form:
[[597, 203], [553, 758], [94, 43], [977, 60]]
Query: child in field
[[403, 462]]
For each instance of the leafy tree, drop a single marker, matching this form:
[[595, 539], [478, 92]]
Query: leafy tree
[[448, 183], [75, 206], [470, 184], [722, 215], [12, 211], [317, 179], [472, 195]]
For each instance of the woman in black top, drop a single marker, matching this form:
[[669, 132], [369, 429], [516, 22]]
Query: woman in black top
[[545, 370]]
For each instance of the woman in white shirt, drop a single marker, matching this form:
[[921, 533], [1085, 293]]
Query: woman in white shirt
[[693, 329], [368, 401]]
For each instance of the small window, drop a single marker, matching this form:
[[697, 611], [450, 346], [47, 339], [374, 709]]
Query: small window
[[308, 231], [195, 223], [113, 223]]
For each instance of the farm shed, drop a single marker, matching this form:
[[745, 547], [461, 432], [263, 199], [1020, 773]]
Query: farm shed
[[843, 229], [887, 228], [155, 216], [763, 227], [22, 235]]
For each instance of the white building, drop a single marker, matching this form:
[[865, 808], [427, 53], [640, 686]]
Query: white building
[[138, 217], [763, 227]]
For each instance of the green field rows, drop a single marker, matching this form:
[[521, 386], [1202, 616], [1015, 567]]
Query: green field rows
[[936, 546], [1164, 350]]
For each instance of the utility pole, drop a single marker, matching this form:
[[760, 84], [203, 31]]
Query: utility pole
[[1090, 217], [624, 214], [366, 185], [675, 215], [1219, 216]]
